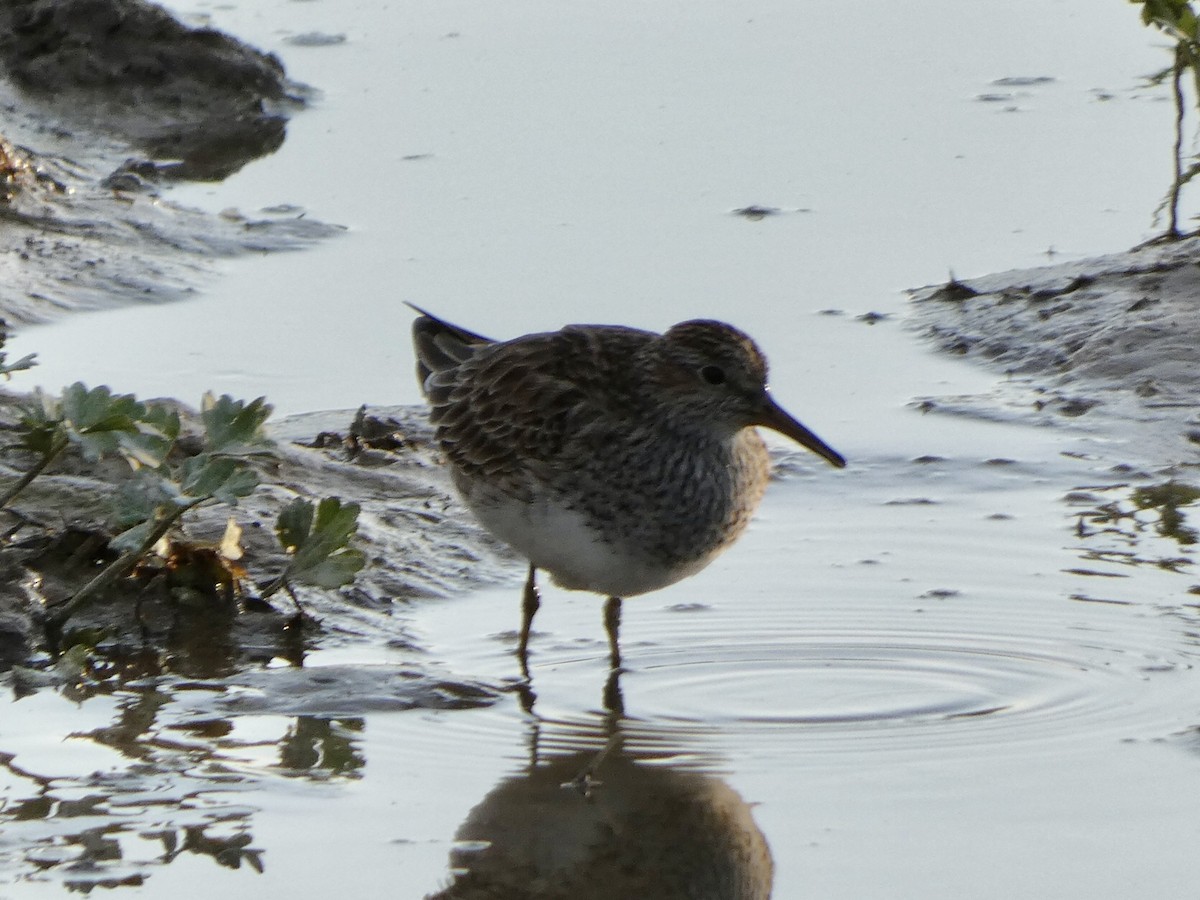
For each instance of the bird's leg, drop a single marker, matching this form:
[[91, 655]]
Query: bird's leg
[[612, 625], [586, 782], [614, 700], [529, 606], [526, 695]]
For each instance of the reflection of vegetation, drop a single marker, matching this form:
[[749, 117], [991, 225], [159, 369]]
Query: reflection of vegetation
[[112, 828], [97, 839], [137, 715], [1130, 515], [326, 744], [1177, 19], [1167, 499], [229, 852]]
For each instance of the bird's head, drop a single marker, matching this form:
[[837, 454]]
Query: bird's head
[[716, 376]]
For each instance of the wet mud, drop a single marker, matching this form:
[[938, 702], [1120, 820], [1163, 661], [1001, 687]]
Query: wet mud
[[198, 103], [1106, 345], [185, 614], [103, 103]]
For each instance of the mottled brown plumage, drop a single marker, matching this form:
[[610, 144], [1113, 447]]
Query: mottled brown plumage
[[618, 460]]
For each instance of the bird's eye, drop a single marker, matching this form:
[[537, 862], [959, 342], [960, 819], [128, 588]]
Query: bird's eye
[[713, 374]]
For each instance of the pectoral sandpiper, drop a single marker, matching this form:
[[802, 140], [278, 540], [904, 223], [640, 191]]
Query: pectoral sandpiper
[[618, 460]]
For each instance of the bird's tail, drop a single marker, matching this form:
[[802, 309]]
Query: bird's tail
[[440, 345]]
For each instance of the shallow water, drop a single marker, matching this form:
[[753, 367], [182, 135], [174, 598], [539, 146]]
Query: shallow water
[[952, 682], [963, 667], [520, 166]]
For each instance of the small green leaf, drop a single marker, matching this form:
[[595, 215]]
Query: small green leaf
[[44, 407], [142, 497], [43, 439], [240, 484], [7, 368], [233, 426], [41, 428], [318, 543], [294, 524], [221, 478], [131, 539], [25, 362], [337, 570], [94, 419], [333, 528], [151, 440]]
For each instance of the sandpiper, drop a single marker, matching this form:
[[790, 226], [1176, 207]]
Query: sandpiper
[[618, 460]]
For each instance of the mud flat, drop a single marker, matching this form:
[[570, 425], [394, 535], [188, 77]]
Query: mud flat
[[419, 543], [1107, 345], [102, 102]]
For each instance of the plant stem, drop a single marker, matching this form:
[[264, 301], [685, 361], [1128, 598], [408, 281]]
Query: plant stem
[[39, 467], [280, 581], [1177, 184], [119, 567]]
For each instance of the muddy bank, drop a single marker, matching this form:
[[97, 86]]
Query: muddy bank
[[1105, 345], [199, 103], [102, 103], [185, 617]]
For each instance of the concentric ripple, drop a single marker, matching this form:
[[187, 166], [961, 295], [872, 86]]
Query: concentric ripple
[[846, 679], [1008, 672], [897, 689]]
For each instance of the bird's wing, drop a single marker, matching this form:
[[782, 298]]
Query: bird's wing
[[509, 410], [440, 345]]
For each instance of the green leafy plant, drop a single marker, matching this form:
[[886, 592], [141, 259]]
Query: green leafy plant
[[317, 540], [150, 504], [164, 486], [25, 362], [95, 421]]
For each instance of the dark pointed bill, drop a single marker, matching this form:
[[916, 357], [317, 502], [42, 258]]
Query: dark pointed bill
[[777, 418]]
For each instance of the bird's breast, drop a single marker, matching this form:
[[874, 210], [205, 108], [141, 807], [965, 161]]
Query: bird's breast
[[624, 526]]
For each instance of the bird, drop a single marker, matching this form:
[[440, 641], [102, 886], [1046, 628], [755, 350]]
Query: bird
[[615, 459], [605, 816]]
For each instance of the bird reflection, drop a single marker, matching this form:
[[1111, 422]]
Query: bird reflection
[[614, 810]]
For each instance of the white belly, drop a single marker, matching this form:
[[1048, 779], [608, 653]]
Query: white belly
[[559, 541]]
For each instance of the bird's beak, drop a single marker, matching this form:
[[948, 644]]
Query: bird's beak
[[777, 418]]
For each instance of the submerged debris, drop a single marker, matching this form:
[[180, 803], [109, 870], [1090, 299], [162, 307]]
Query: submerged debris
[[754, 212]]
